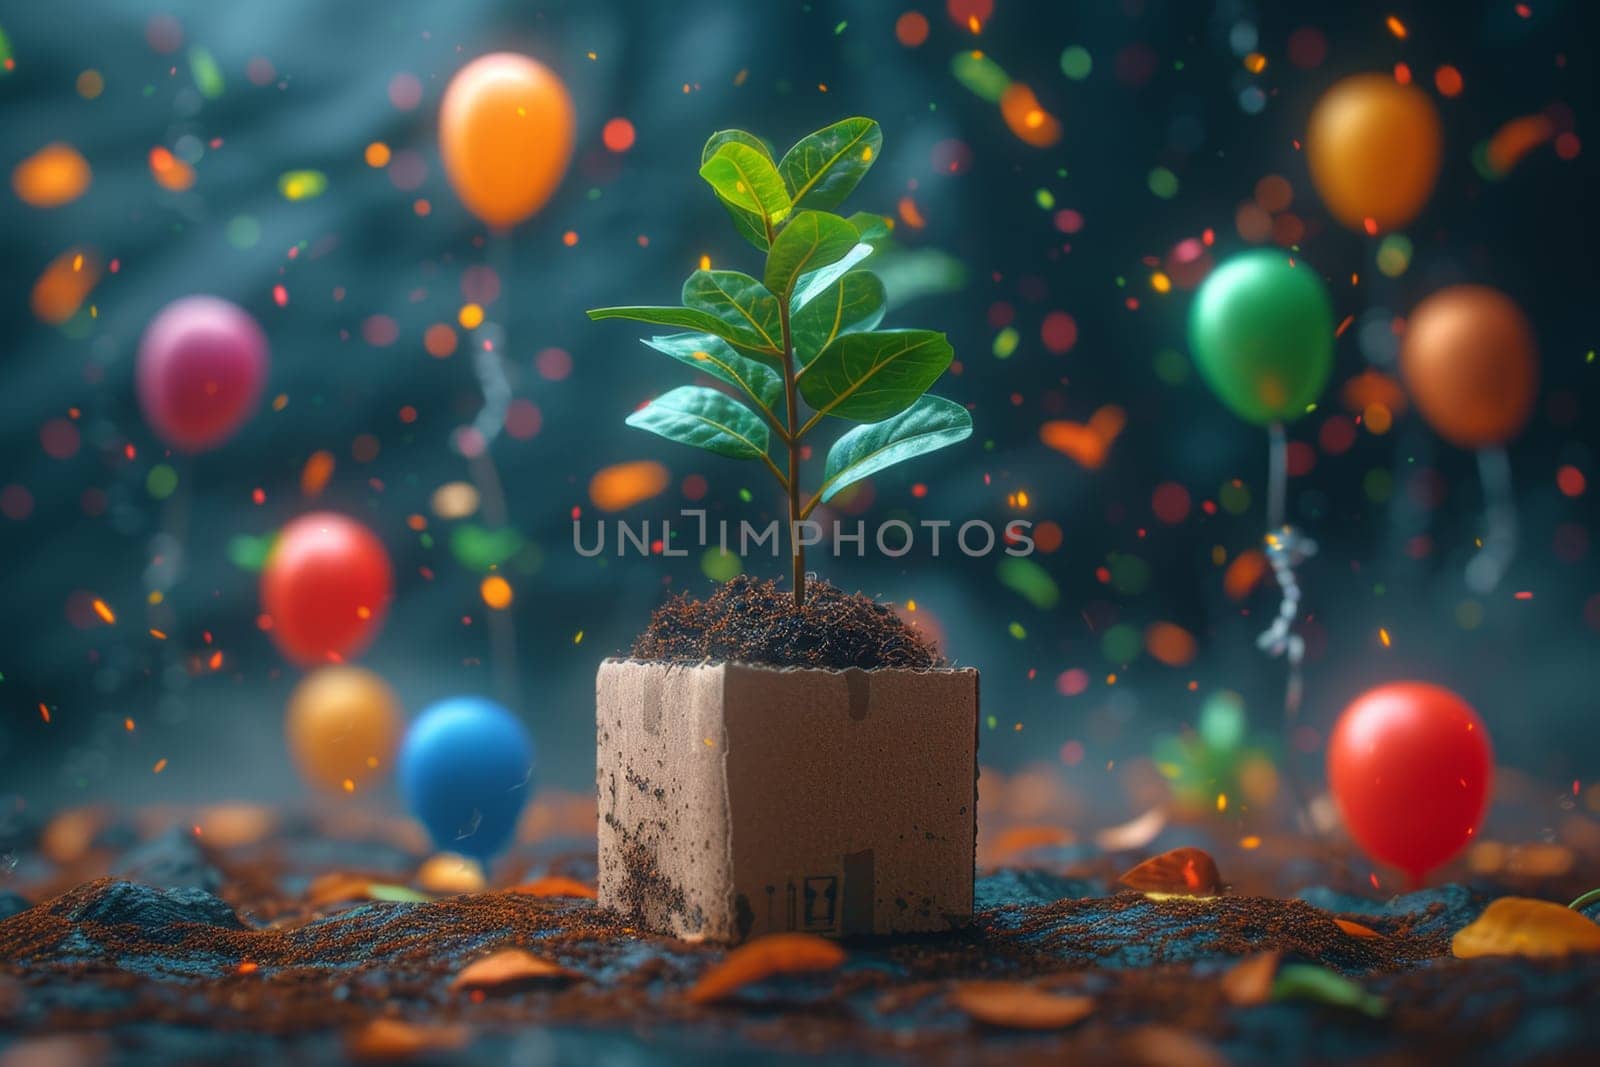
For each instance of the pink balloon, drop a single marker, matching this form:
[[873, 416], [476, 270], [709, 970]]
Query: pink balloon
[[202, 365]]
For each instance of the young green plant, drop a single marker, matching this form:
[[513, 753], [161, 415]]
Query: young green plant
[[804, 331]]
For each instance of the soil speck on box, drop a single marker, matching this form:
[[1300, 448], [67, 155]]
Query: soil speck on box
[[751, 621]]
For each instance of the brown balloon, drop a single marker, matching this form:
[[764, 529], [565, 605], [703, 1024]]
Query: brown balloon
[[1374, 148], [1471, 364]]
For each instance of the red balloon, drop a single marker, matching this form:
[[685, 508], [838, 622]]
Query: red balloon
[[326, 588], [1410, 765]]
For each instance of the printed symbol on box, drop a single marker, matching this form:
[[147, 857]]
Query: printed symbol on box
[[822, 901]]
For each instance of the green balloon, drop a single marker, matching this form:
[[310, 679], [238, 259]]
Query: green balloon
[[1262, 332]]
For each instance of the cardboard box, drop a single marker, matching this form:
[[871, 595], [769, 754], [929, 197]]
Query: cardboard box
[[737, 801]]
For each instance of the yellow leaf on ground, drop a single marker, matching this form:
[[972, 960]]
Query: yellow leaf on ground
[[449, 874], [1020, 1006], [510, 967], [1520, 926], [1185, 871], [763, 958]]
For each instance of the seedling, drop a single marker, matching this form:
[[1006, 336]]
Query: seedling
[[805, 331]]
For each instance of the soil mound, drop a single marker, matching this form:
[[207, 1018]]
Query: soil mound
[[751, 621]]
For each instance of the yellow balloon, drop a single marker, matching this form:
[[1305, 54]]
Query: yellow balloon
[[1374, 148], [343, 727], [505, 131]]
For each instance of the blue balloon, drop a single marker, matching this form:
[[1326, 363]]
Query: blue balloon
[[465, 772]]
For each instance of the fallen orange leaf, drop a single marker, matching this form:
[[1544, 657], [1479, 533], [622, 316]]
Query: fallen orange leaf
[[510, 967], [555, 885], [336, 888], [1520, 926], [763, 958], [1250, 981], [1355, 929], [1185, 871], [1022, 838], [392, 1039], [1020, 1006]]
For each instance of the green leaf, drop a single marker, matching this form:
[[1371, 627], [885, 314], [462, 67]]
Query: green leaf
[[396, 894], [745, 179], [690, 318], [811, 286], [929, 424], [704, 418], [712, 355], [744, 137], [823, 168], [751, 226], [1304, 981], [871, 376], [478, 548], [871, 226], [744, 312], [853, 303], [811, 241]]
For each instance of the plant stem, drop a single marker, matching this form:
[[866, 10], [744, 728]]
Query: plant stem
[[791, 414]]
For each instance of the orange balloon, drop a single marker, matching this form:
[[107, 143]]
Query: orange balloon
[[1374, 147], [505, 131], [1471, 364], [343, 726]]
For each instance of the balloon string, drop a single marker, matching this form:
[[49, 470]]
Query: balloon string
[[489, 367], [1486, 569], [1286, 548]]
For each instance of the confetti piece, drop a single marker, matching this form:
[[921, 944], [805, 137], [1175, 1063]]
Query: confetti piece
[[1027, 119], [980, 75], [1244, 574], [1514, 140], [295, 185], [1019, 1005], [65, 284], [205, 72], [623, 485], [1169, 643], [55, 175], [1089, 443], [1030, 581], [314, 476], [496, 592], [170, 172], [764, 958]]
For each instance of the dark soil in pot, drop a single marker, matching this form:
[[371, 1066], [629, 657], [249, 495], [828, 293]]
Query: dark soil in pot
[[751, 621]]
